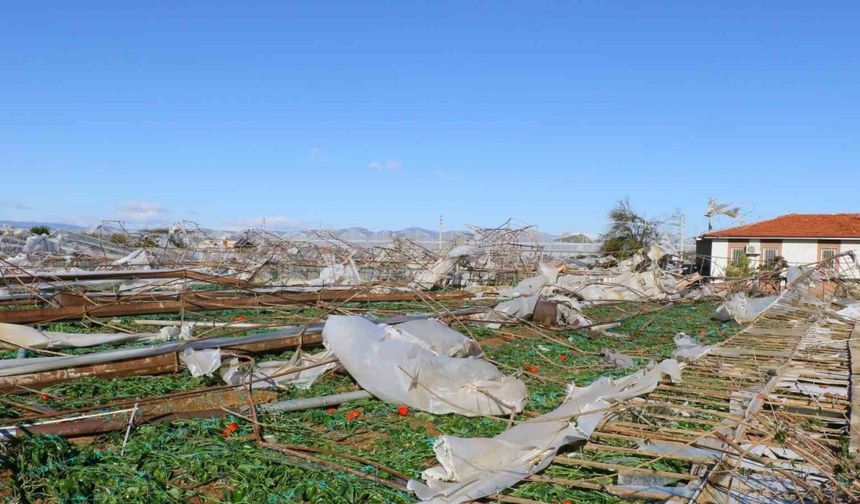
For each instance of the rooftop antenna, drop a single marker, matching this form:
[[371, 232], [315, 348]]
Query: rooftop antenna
[[716, 208]]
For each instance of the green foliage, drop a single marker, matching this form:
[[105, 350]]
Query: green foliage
[[775, 264], [120, 239], [628, 231], [190, 461], [40, 230], [739, 268]]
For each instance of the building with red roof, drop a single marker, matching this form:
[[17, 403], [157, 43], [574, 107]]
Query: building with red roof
[[797, 238]]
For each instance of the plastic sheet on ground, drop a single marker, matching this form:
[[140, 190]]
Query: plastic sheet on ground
[[201, 362], [436, 337], [14, 336], [271, 374], [474, 468], [568, 312], [396, 369], [688, 348], [743, 309], [513, 309], [617, 359]]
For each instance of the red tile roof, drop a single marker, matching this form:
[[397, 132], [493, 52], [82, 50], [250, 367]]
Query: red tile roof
[[797, 226]]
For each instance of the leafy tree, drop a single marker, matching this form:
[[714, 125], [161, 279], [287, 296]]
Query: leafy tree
[[628, 231], [739, 268], [40, 230]]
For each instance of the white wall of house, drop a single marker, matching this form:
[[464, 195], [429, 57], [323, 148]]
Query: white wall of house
[[798, 252], [719, 257], [795, 251]]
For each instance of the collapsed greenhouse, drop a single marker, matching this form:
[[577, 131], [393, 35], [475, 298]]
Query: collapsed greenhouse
[[172, 368]]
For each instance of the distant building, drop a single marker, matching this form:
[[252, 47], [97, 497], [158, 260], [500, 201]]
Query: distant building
[[797, 238]]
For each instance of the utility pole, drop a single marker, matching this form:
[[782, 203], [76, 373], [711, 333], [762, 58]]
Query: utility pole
[[440, 233], [681, 223], [264, 223]]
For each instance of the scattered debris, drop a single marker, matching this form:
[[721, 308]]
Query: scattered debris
[[472, 468]]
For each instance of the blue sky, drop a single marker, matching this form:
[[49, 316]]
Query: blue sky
[[388, 114]]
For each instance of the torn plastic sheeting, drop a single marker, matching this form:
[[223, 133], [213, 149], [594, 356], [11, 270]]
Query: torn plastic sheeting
[[568, 311], [669, 449], [140, 257], [435, 336], [533, 285], [427, 333], [812, 389], [399, 371], [742, 308], [650, 484], [688, 348], [338, 274], [270, 374], [14, 336], [433, 275], [517, 308], [474, 468], [851, 311], [201, 362], [617, 359]]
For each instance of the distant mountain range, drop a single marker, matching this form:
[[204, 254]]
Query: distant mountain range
[[52, 225], [356, 234]]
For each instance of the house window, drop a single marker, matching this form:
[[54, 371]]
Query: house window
[[827, 254], [768, 255], [737, 254]]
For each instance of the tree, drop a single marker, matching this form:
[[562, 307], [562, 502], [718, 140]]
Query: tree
[[739, 268], [628, 231], [40, 230]]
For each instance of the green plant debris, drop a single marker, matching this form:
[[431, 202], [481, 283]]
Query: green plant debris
[[191, 461]]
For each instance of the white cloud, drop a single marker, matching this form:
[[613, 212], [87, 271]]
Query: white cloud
[[390, 165], [143, 211], [315, 153]]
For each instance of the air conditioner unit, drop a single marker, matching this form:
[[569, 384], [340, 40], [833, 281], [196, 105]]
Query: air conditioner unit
[[751, 250]]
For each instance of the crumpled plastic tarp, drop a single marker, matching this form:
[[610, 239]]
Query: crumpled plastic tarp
[[433, 275], [201, 362], [533, 285], [436, 337], [391, 365], [638, 277], [14, 336], [851, 311], [338, 274], [44, 243], [617, 359], [742, 308], [139, 258], [474, 468], [518, 308], [429, 334], [568, 312], [688, 348], [270, 374]]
